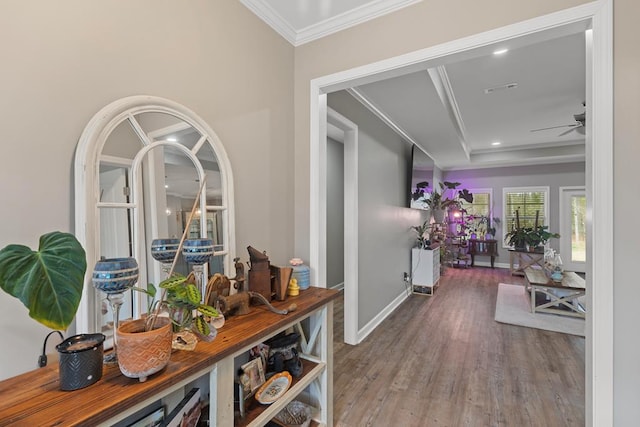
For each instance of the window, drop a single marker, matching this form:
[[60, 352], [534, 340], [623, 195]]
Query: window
[[481, 207], [528, 204]]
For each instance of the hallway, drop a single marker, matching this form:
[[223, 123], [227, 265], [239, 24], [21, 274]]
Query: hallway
[[444, 361]]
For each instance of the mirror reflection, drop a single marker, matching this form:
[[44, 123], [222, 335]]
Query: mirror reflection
[[422, 166], [170, 184]]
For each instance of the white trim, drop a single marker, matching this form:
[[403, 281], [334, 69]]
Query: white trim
[[328, 26], [369, 105], [565, 244], [443, 87], [381, 316], [599, 15], [351, 280], [338, 287]]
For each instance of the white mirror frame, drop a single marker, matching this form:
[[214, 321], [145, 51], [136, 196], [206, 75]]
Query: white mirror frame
[[87, 188]]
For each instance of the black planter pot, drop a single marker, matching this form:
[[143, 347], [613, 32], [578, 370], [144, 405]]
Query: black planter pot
[[80, 360]]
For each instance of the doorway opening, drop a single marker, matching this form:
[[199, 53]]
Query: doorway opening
[[596, 15]]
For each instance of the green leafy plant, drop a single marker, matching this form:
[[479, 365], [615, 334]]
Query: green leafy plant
[[182, 299], [48, 281], [421, 230], [540, 235], [447, 196], [521, 237]]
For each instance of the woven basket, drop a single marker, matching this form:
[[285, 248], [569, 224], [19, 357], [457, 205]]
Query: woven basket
[[141, 353]]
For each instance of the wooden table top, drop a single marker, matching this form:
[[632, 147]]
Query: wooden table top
[[34, 398], [539, 277]]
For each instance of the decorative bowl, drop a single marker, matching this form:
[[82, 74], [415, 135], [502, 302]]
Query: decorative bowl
[[115, 275], [197, 251], [164, 250]]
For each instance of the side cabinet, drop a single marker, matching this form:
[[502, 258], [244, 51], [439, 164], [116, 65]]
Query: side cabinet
[[425, 270], [34, 398]]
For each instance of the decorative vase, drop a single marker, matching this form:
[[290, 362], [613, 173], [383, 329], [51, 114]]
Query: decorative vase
[[114, 276], [142, 353], [198, 252], [80, 361], [301, 272]]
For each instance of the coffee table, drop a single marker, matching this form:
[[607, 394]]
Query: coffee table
[[521, 260], [560, 294]]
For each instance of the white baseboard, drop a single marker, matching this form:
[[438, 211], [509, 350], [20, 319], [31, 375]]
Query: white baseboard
[[339, 286], [488, 264], [383, 314]]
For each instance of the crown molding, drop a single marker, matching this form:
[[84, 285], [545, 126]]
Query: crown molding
[[329, 26]]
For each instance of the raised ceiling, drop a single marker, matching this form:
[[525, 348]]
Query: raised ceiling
[[455, 108]]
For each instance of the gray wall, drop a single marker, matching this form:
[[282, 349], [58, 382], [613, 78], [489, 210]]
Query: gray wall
[[385, 238], [552, 176], [335, 213], [63, 61]]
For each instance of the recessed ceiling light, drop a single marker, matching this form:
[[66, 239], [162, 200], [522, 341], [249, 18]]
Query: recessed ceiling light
[[172, 139], [500, 51], [166, 186], [494, 143]]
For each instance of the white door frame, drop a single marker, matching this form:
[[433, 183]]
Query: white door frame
[[598, 15], [565, 243], [350, 130]]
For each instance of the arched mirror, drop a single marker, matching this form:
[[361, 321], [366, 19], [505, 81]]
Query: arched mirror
[[140, 163]]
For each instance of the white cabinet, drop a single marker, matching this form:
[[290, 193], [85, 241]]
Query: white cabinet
[[425, 270]]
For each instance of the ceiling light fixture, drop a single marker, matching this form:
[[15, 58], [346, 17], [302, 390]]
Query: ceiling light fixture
[[494, 143], [172, 139], [500, 52]]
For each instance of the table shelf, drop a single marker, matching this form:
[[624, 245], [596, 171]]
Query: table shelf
[[34, 398]]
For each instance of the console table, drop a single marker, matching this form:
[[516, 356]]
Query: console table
[[34, 398], [521, 260], [562, 296], [487, 247]]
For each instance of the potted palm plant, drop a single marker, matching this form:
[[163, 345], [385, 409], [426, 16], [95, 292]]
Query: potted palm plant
[[422, 238]]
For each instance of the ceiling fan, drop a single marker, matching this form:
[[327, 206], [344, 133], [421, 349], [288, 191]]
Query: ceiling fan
[[578, 126]]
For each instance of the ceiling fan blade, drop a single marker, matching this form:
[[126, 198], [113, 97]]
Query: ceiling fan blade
[[552, 127], [569, 131]]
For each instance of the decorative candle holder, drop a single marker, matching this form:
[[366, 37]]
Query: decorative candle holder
[[114, 276], [165, 250], [198, 252]]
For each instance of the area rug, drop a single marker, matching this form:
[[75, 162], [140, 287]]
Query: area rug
[[513, 307]]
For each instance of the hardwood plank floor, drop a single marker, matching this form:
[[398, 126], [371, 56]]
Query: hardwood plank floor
[[444, 361]]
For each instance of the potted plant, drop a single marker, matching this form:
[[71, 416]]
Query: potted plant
[[49, 283], [518, 238], [439, 200], [529, 238], [491, 227], [539, 236], [422, 238]]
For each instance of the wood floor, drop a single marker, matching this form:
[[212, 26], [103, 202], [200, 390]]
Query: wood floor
[[444, 361]]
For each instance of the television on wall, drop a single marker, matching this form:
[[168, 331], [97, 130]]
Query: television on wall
[[421, 171]]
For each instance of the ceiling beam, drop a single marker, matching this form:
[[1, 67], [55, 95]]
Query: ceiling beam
[[444, 89]]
